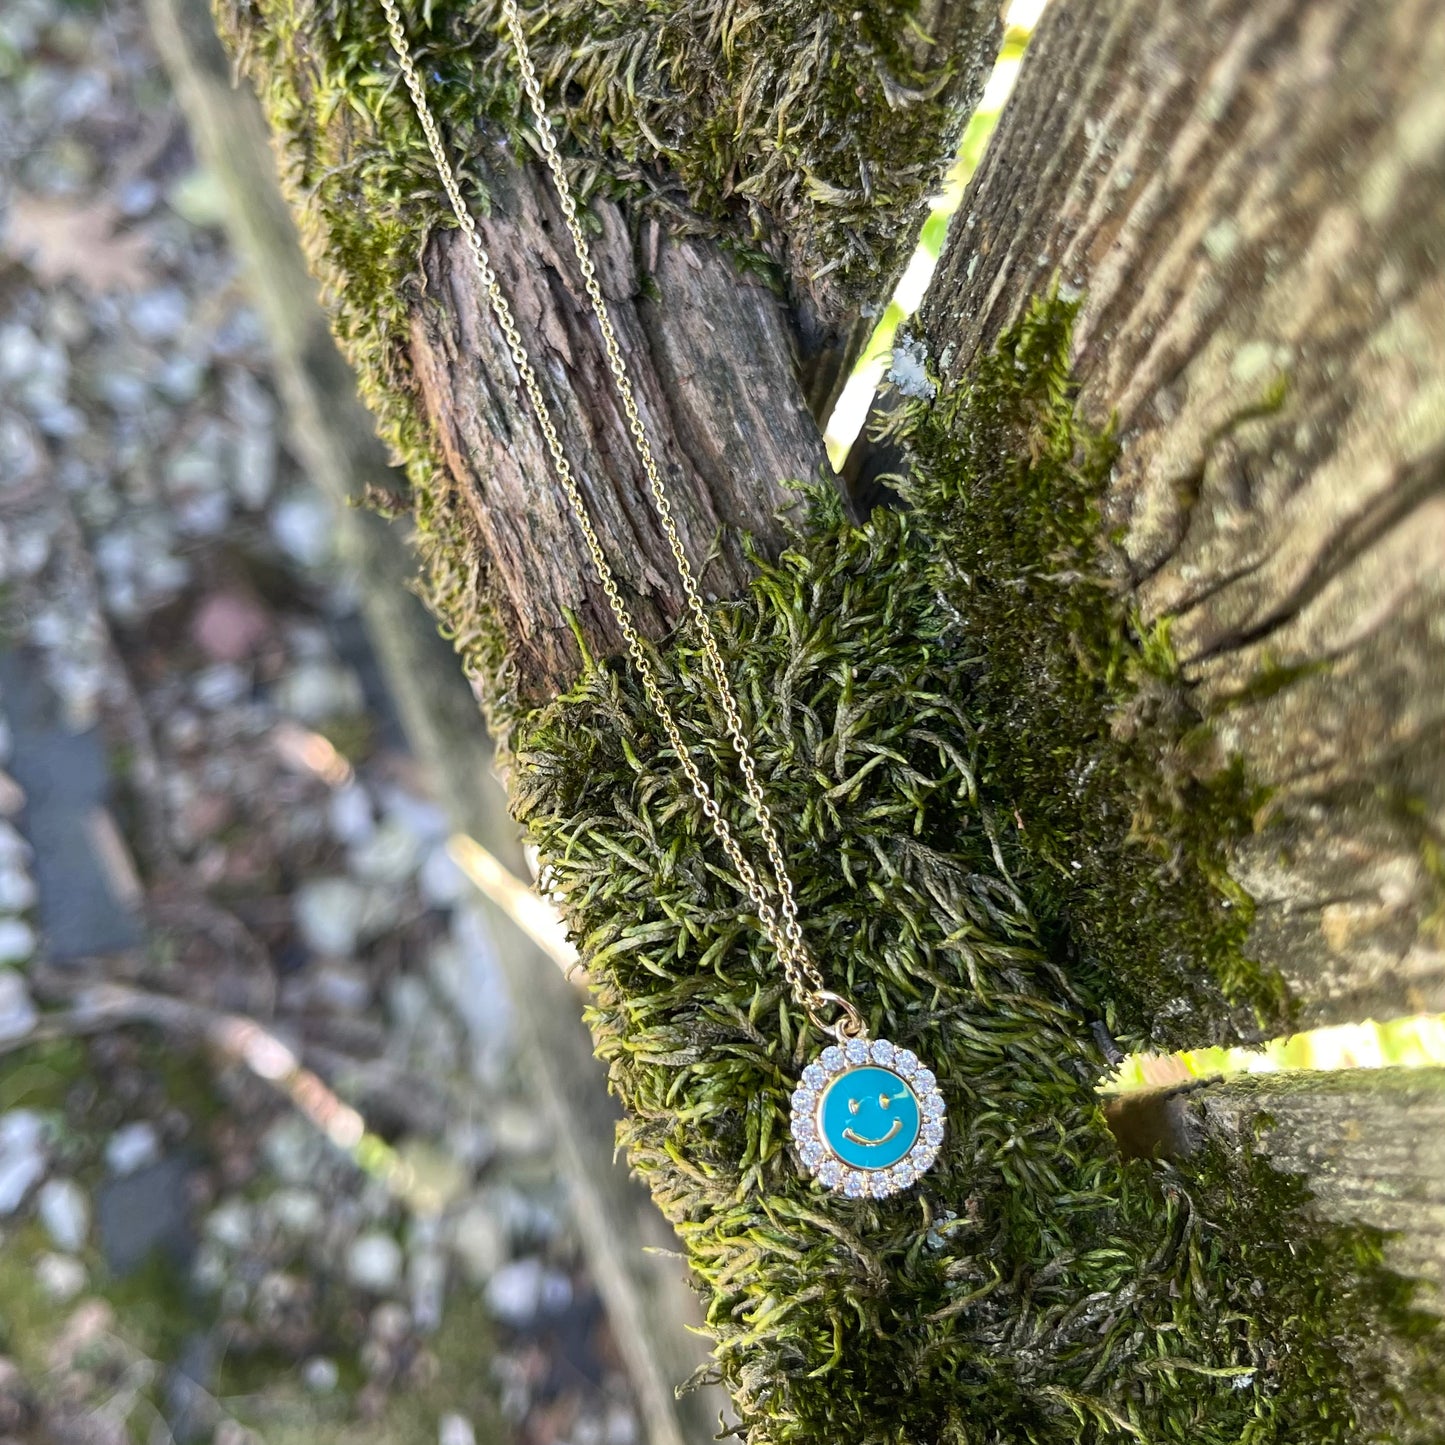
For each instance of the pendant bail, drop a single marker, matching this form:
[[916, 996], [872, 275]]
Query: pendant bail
[[850, 1026]]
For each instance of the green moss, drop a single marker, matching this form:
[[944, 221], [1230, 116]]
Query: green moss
[[42, 1076], [1002, 823], [155, 1307], [29, 1320], [1113, 810], [265, 1392], [808, 118], [1357, 1347]]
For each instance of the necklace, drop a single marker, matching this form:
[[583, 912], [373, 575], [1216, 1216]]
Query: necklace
[[867, 1117]]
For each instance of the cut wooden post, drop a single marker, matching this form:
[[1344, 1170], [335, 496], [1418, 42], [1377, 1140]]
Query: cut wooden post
[[1366, 1148], [736, 317], [1369, 1143]]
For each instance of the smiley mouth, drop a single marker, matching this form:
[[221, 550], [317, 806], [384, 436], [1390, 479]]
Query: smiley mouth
[[853, 1138]]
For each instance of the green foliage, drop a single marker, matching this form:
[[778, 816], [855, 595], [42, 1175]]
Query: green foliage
[[920, 688], [42, 1076], [28, 1318]]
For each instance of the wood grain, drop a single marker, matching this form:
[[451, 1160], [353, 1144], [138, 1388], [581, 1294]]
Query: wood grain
[[1249, 197]]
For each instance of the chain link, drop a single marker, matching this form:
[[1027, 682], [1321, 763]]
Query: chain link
[[780, 921]]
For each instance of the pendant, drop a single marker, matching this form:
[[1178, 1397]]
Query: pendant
[[867, 1118]]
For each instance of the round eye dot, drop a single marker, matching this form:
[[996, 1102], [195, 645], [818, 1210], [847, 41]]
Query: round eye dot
[[854, 1105], [883, 1101]]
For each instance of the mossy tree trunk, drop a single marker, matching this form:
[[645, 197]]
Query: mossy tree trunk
[[1131, 723], [646, 1299]]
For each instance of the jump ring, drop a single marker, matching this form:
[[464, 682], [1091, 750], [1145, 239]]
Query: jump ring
[[850, 1026]]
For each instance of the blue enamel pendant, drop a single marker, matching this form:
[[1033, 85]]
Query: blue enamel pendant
[[867, 1118]]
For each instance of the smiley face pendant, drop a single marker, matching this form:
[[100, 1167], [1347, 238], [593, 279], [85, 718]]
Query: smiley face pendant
[[867, 1118]]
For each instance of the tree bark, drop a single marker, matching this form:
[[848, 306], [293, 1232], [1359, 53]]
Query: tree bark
[[1250, 198], [768, 171], [714, 369]]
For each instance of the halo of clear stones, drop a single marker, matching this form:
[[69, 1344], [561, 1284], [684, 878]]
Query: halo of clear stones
[[820, 1161]]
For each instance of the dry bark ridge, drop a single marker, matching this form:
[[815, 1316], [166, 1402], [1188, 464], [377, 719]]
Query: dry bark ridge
[[1250, 198], [713, 367]]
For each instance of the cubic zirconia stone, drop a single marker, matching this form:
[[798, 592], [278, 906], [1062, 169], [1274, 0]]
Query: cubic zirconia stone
[[814, 1076], [855, 1051], [933, 1134], [803, 1099], [922, 1156], [883, 1053], [905, 1062], [832, 1059], [804, 1128], [923, 1080], [880, 1185], [904, 1175], [813, 1154], [933, 1106], [830, 1172], [855, 1185]]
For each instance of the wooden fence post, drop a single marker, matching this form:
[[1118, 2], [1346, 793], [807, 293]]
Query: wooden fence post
[[649, 1303]]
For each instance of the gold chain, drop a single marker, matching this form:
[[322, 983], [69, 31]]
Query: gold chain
[[779, 922]]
